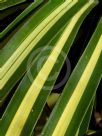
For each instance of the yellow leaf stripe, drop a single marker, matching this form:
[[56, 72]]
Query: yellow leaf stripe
[[32, 35], [19, 119], [78, 92], [39, 32]]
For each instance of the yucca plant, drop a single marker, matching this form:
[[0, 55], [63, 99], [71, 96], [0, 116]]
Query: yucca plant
[[34, 49]]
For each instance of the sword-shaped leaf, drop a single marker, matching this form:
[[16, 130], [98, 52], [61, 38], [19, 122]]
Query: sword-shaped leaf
[[31, 95], [79, 91], [30, 8], [15, 56]]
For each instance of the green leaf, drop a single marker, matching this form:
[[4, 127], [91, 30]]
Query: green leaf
[[79, 90], [35, 86], [13, 58], [8, 3], [86, 119], [20, 17]]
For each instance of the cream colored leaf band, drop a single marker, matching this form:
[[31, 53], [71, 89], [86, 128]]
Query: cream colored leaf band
[[32, 44], [25, 107], [71, 107], [33, 35]]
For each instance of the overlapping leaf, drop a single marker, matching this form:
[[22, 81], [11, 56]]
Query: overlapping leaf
[[20, 17], [33, 95], [79, 91], [12, 57]]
